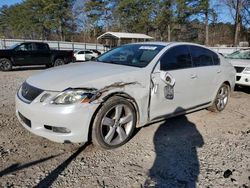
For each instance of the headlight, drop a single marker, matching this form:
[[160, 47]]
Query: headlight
[[71, 96], [247, 70]]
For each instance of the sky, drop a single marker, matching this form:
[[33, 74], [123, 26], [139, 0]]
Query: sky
[[9, 2], [223, 12]]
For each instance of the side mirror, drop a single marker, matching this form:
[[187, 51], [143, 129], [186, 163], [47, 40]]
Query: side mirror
[[167, 78]]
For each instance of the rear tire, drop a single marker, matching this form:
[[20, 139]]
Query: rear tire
[[221, 99], [5, 64], [114, 123], [59, 62]]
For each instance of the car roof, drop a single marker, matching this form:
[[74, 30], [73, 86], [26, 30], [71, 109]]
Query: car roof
[[168, 43]]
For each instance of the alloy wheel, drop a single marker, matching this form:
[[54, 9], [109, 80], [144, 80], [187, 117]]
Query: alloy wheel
[[222, 97], [117, 124]]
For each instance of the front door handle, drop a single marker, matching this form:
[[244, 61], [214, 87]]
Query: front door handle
[[219, 71], [193, 76]]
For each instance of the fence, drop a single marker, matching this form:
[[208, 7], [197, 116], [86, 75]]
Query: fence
[[60, 45], [227, 50]]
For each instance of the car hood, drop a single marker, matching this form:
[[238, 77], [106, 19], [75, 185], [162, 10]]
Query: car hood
[[88, 74], [240, 62]]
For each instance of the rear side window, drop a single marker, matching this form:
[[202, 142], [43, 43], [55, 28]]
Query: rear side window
[[41, 46], [176, 58], [201, 56]]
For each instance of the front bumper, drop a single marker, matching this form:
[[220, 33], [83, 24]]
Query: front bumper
[[38, 116], [242, 79]]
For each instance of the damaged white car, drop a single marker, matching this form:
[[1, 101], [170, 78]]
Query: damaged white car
[[127, 87]]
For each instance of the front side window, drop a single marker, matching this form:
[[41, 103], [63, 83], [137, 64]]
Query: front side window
[[201, 56], [24, 47], [176, 58], [136, 55], [88, 52]]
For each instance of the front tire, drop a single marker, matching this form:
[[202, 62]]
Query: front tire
[[59, 62], [221, 99], [114, 123], [5, 64]]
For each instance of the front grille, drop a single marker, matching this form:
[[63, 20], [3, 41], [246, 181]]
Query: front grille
[[25, 120], [29, 92], [239, 69]]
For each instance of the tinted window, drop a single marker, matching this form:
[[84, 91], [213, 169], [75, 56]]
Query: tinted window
[[201, 56], [176, 58], [216, 59], [24, 47], [81, 52], [40, 46]]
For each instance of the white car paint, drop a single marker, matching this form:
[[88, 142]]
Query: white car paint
[[146, 92], [242, 67], [84, 55]]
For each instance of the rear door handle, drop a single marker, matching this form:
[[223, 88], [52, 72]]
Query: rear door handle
[[193, 76]]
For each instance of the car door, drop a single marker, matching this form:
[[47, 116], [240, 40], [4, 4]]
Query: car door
[[208, 72], [173, 83], [89, 55], [80, 56], [40, 54], [22, 54]]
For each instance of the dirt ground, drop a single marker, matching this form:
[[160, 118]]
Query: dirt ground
[[202, 149]]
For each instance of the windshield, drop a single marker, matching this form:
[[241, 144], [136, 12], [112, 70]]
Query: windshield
[[242, 54], [136, 55], [13, 46]]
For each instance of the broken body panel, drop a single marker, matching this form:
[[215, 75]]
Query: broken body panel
[[153, 92]]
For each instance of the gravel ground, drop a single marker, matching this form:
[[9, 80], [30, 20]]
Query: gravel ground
[[202, 149]]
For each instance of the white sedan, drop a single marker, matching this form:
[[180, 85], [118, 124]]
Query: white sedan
[[241, 62], [127, 87], [85, 55]]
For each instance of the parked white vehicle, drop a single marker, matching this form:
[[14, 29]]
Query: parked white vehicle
[[241, 62], [127, 87], [85, 55]]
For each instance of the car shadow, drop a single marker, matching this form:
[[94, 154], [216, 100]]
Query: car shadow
[[244, 89], [176, 163], [17, 166], [25, 68], [53, 175]]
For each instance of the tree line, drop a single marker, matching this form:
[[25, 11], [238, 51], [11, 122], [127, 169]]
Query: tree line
[[165, 20]]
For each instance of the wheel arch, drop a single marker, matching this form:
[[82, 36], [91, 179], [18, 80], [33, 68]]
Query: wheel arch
[[224, 82], [104, 99], [228, 83]]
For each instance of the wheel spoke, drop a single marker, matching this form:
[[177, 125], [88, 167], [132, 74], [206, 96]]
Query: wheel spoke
[[121, 132], [126, 119], [108, 121], [118, 112], [222, 104], [110, 134]]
